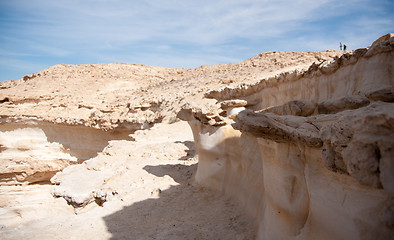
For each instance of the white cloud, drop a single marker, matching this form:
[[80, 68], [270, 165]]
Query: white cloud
[[195, 22]]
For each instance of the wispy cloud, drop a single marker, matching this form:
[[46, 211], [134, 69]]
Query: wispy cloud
[[198, 32]]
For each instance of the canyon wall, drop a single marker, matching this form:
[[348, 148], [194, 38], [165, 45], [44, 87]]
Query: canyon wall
[[309, 154]]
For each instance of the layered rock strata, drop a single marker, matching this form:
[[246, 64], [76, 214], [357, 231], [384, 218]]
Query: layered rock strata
[[308, 153], [33, 150]]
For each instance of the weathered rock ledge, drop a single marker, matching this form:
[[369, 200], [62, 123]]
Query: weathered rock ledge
[[325, 67], [310, 153], [130, 117]]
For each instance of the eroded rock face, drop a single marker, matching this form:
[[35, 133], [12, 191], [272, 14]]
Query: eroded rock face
[[353, 142], [33, 151], [28, 157], [297, 108], [345, 103], [312, 155]]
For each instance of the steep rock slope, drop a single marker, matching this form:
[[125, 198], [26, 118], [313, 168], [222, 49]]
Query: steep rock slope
[[309, 154]]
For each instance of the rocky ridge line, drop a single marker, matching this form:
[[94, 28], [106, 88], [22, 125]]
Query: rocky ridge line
[[315, 70]]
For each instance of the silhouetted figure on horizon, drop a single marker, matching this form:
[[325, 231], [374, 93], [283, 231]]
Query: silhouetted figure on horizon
[[344, 47], [340, 46]]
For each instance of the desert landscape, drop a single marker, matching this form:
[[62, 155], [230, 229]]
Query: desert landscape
[[284, 145]]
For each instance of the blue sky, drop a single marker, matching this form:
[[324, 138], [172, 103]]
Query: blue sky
[[36, 34]]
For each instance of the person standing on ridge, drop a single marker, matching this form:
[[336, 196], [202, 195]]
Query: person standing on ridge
[[344, 47], [340, 46]]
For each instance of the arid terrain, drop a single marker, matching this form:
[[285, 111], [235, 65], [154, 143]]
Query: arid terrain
[[106, 96], [284, 145]]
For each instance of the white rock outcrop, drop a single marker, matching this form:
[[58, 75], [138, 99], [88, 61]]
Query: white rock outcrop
[[312, 155], [28, 157], [33, 151]]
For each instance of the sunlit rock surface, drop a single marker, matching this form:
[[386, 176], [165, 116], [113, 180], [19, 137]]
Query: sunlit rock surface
[[312, 154], [32, 151]]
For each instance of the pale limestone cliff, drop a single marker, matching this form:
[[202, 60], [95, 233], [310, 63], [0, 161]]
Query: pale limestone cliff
[[312, 155]]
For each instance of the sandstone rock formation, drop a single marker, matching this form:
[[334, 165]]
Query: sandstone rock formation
[[134, 189], [299, 143], [27, 156], [32, 150], [311, 156], [71, 125], [67, 103]]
